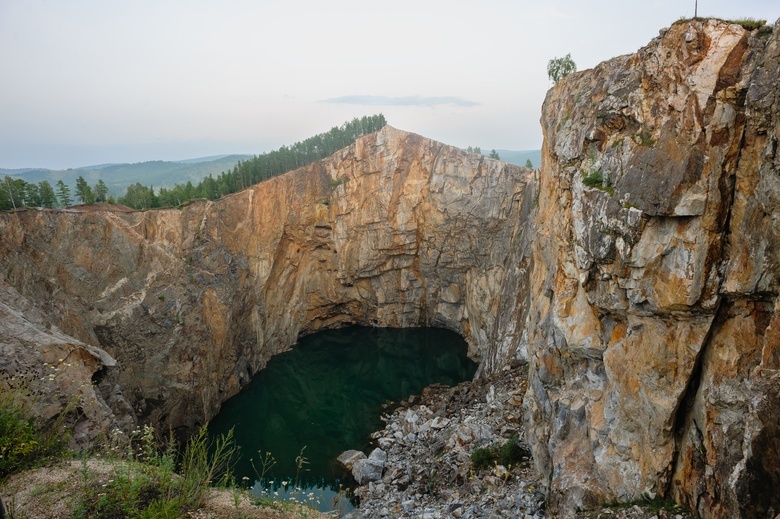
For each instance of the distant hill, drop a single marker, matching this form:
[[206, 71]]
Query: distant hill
[[518, 157], [156, 173]]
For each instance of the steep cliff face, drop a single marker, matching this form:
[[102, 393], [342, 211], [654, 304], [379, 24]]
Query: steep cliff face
[[655, 323], [396, 230], [640, 275]]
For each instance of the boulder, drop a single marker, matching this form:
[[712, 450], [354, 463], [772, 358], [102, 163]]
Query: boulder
[[367, 470], [349, 457]]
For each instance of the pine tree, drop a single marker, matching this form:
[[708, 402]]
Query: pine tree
[[101, 191], [32, 195], [63, 194], [83, 191], [46, 193]]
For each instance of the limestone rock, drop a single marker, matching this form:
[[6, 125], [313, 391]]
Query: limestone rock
[[378, 455]]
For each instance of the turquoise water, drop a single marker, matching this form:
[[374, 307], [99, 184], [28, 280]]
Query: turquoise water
[[325, 396]]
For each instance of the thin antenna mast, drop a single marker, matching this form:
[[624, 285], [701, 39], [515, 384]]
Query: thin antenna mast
[[696, 9]]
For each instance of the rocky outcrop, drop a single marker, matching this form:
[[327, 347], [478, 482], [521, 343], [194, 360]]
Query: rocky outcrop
[[65, 378], [395, 230], [653, 333]]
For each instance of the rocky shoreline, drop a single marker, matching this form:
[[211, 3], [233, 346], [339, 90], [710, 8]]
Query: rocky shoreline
[[428, 441], [425, 466]]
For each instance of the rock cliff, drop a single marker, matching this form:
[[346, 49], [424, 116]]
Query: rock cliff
[[654, 333], [396, 230], [639, 275]]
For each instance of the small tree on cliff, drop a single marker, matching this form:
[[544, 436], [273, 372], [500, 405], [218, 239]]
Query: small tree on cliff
[[84, 192], [559, 68], [63, 194]]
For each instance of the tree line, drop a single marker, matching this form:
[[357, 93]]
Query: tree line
[[16, 193], [258, 168]]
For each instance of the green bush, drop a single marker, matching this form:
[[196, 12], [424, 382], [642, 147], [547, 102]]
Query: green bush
[[595, 179], [508, 454]]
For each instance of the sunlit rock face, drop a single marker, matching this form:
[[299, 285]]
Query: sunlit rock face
[[395, 230], [654, 330]]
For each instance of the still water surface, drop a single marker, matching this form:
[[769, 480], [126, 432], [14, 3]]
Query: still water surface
[[325, 396]]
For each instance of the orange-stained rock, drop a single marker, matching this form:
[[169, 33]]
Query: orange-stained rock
[[395, 230], [652, 336]]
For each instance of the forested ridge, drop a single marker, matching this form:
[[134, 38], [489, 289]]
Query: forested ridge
[[258, 168], [17, 193]]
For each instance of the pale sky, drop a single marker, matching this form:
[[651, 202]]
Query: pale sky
[[85, 82]]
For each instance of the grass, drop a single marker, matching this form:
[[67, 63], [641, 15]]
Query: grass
[[749, 24], [334, 183], [651, 504], [127, 476], [145, 483], [149, 477], [644, 139], [565, 118]]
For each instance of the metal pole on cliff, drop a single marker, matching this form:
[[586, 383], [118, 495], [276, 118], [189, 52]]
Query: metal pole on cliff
[[696, 9]]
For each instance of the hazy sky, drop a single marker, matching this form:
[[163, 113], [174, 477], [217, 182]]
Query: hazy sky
[[86, 82]]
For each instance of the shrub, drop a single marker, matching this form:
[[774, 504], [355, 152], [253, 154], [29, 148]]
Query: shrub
[[508, 454], [595, 179]]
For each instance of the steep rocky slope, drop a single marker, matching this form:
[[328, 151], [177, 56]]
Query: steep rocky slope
[[639, 275], [655, 331], [396, 230]]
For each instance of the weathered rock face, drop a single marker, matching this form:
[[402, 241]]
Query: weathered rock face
[[396, 230], [643, 288], [60, 373], [654, 335]]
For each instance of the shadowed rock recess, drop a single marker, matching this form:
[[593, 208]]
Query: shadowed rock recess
[[638, 274]]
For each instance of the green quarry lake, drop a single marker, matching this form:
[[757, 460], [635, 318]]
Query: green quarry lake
[[325, 396]]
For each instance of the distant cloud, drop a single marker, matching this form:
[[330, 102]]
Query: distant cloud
[[401, 101]]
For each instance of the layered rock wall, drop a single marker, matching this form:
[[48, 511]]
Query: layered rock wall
[[396, 230], [656, 270]]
